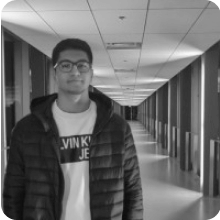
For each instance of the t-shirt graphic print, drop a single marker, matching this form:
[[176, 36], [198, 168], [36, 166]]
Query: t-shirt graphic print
[[75, 148], [75, 130]]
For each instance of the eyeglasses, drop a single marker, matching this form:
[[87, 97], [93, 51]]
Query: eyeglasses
[[67, 66]]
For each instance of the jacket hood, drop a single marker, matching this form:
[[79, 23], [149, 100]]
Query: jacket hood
[[40, 104], [42, 108]]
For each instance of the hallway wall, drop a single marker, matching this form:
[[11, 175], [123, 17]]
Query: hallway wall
[[191, 126]]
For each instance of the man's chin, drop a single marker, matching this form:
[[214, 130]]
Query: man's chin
[[73, 91], [76, 92]]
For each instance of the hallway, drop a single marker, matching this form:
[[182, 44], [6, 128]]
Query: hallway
[[169, 193]]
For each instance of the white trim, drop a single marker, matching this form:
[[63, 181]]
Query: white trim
[[169, 119], [202, 122], [3, 120], [25, 74]]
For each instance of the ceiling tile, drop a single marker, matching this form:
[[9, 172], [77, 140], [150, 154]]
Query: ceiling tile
[[47, 5], [166, 50], [116, 4], [109, 22], [161, 42], [148, 71], [165, 4], [127, 81], [194, 45], [151, 84], [124, 59], [171, 21], [208, 22], [144, 80], [125, 75], [100, 59], [157, 48], [146, 86], [22, 23], [32, 29], [122, 38], [114, 93], [67, 22], [96, 81], [18, 5], [43, 42], [104, 72], [173, 68], [111, 82]]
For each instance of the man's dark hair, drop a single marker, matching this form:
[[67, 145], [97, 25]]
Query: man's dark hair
[[71, 43]]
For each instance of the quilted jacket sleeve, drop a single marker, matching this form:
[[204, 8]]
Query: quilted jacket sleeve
[[133, 200], [13, 192]]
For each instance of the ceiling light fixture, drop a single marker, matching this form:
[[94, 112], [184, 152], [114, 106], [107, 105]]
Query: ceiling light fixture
[[123, 45], [124, 70]]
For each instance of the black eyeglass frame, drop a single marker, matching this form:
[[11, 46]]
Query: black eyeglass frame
[[72, 66]]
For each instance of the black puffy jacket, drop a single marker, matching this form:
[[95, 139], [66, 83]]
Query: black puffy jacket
[[34, 183]]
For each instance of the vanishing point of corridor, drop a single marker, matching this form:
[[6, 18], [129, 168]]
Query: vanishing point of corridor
[[169, 193]]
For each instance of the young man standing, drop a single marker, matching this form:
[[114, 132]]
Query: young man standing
[[72, 157]]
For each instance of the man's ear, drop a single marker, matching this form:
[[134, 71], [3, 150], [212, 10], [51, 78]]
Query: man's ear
[[92, 73], [55, 75]]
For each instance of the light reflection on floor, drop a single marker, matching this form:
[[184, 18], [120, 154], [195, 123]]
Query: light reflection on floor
[[169, 193]]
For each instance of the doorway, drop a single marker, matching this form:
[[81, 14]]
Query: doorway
[[131, 113]]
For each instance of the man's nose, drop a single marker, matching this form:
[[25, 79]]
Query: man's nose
[[75, 71]]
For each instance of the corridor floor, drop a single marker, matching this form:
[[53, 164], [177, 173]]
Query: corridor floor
[[169, 193]]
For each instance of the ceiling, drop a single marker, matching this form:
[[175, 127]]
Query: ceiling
[[137, 45]]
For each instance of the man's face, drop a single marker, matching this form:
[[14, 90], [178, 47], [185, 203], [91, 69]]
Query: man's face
[[73, 81]]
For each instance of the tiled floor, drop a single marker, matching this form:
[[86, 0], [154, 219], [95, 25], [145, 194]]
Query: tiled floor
[[169, 193]]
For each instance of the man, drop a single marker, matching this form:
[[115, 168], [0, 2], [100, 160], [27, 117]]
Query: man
[[72, 157]]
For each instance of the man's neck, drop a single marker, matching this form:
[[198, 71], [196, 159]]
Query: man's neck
[[73, 103]]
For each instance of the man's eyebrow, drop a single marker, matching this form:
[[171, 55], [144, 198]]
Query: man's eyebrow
[[80, 60]]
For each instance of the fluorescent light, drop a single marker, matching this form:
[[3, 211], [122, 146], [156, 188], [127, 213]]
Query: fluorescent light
[[117, 97], [137, 98], [185, 54], [140, 95], [160, 80], [151, 80], [144, 90], [113, 93], [103, 72], [107, 86], [186, 51]]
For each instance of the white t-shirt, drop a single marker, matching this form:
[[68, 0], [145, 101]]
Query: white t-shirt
[[75, 131]]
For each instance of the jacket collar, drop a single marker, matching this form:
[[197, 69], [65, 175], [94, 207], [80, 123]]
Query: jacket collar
[[42, 108]]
